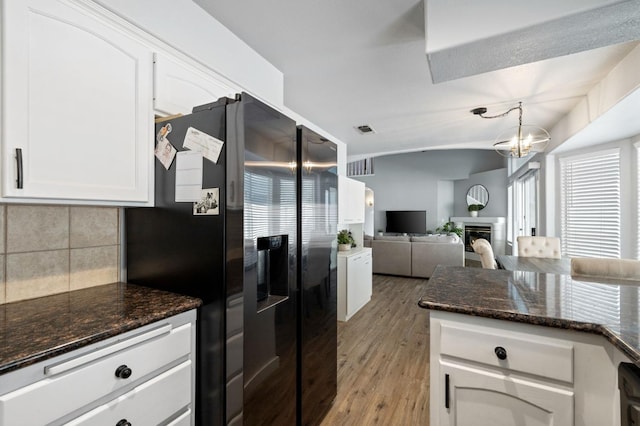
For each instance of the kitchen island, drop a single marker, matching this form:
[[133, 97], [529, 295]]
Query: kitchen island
[[544, 348]]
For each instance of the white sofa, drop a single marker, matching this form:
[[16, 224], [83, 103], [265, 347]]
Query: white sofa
[[415, 256]]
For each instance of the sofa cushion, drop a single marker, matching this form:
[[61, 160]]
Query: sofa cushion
[[392, 238], [451, 238], [391, 257], [425, 256]]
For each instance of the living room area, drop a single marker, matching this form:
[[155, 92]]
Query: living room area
[[414, 202]]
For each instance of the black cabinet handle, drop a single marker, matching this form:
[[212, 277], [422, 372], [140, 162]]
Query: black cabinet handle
[[123, 422], [19, 161], [446, 391], [501, 352], [123, 372]]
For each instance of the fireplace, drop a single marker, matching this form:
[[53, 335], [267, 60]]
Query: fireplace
[[473, 232]]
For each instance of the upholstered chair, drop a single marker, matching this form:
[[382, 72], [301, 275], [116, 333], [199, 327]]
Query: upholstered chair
[[539, 247], [484, 249], [609, 269]]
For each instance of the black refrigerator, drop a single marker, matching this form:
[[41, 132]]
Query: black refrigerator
[[259, 249]]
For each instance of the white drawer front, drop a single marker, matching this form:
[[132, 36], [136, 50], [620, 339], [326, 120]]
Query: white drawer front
[[150, 404], [59, 394], [183, 420], [524, 353]]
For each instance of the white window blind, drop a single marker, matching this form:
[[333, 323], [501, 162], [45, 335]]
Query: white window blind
[[590, 205]]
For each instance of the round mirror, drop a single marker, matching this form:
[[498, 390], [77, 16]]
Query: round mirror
[[478, 194]]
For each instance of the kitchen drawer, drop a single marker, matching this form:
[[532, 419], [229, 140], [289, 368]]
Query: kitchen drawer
[[151, 403], [183, 420], [90, 376], [544, 357]]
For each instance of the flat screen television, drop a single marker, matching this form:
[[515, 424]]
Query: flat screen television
[[407, 221]]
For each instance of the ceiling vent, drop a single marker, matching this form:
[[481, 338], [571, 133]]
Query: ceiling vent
[[365, 128]]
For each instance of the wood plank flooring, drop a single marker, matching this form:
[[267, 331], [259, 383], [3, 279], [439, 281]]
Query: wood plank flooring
[[383, 359]]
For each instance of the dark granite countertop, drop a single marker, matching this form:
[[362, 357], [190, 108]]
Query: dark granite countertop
[[553, 300], [35, 330]]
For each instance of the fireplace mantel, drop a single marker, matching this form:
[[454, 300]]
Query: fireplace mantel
[[477, 219]]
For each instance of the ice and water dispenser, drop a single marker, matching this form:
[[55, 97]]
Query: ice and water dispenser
[[273, 270]]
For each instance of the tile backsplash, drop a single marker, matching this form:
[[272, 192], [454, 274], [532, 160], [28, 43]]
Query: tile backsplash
[[52, 249]]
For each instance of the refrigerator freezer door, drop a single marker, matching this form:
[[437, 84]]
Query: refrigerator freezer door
[[318, 278]]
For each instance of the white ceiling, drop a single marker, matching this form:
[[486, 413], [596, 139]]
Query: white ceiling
[[348, 63]]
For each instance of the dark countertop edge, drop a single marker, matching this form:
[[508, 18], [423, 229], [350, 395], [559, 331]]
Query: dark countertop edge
[[98, 337], [564, 324]]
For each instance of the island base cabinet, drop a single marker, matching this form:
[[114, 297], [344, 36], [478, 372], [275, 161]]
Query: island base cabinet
[[487, 371], [473, 397]]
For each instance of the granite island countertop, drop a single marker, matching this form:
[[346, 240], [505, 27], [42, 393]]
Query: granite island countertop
[[38, 329], [553, 300]]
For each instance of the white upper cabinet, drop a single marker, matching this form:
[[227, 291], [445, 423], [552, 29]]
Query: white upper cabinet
[[181, 85], [77, 101], [350, 200]]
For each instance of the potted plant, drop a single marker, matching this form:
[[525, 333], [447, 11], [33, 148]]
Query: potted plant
[[345, 240], [474, 209], [450, 227]]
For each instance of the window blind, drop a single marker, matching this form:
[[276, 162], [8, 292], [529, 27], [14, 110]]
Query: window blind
[[590, 205]]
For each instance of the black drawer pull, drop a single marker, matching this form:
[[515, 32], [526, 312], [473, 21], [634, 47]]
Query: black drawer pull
[[123, 372], [501, 352], [446, 391], [123, 422], [19, 161]]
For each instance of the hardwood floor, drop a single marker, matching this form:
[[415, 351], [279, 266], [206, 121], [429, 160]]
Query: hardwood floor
[[383, 359]]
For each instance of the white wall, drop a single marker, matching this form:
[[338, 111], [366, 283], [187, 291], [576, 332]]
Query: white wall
[[412, 181], [496, 183]]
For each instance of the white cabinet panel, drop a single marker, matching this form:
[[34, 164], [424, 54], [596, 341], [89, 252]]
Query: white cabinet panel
[[522, 352], [480, 398], [354, 282], [77, 102], [179, 86], [151, 403], [351, 195]]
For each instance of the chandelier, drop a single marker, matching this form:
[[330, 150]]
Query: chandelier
[[517, 141]]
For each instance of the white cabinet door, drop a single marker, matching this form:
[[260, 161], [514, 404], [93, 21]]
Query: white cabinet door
[[179, 86], [77, 102], [480, 398], [358, 282], [350, 200]]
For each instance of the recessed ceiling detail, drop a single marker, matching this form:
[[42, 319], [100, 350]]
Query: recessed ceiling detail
[[585, 30]]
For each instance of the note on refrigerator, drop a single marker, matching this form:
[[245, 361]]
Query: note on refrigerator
[[188, 176], [209, 146]]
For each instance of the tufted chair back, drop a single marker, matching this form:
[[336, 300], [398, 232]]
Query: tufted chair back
[[539, 247], [484, 249]]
